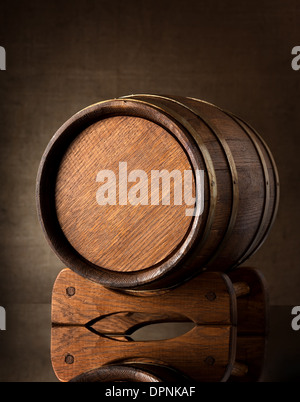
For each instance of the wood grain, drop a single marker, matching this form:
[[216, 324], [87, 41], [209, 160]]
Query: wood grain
[[203, 354], [121, 237], [91, 328], [252, 307], [86, 318], [251, 350], [253, 180], [209, 298]]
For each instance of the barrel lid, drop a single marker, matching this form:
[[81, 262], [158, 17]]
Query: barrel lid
[[116, 188]]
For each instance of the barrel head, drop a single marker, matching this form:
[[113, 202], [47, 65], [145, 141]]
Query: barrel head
[[116, 193], [105, 194]]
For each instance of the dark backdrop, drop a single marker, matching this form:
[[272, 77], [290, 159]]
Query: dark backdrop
[[63, 56]]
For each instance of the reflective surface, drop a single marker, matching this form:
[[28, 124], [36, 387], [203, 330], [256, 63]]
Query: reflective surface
[[25, 346]]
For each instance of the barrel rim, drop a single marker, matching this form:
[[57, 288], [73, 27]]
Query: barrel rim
[[46, 178]]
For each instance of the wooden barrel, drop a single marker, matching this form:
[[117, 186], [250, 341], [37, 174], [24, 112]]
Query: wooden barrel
[[146, 191]]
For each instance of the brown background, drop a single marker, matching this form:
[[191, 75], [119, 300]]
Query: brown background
[[63, 56]]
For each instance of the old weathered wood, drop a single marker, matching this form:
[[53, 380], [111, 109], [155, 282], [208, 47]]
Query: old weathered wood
[[207, 299], [241, 288], [239, 369], [146, 247], [91, 328], [252, 308], [252, 323], [91, 324], [114, 236], [203, 354], [251, 350]]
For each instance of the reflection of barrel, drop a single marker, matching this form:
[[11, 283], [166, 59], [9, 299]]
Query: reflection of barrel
[[131, 372], [136, 243]]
